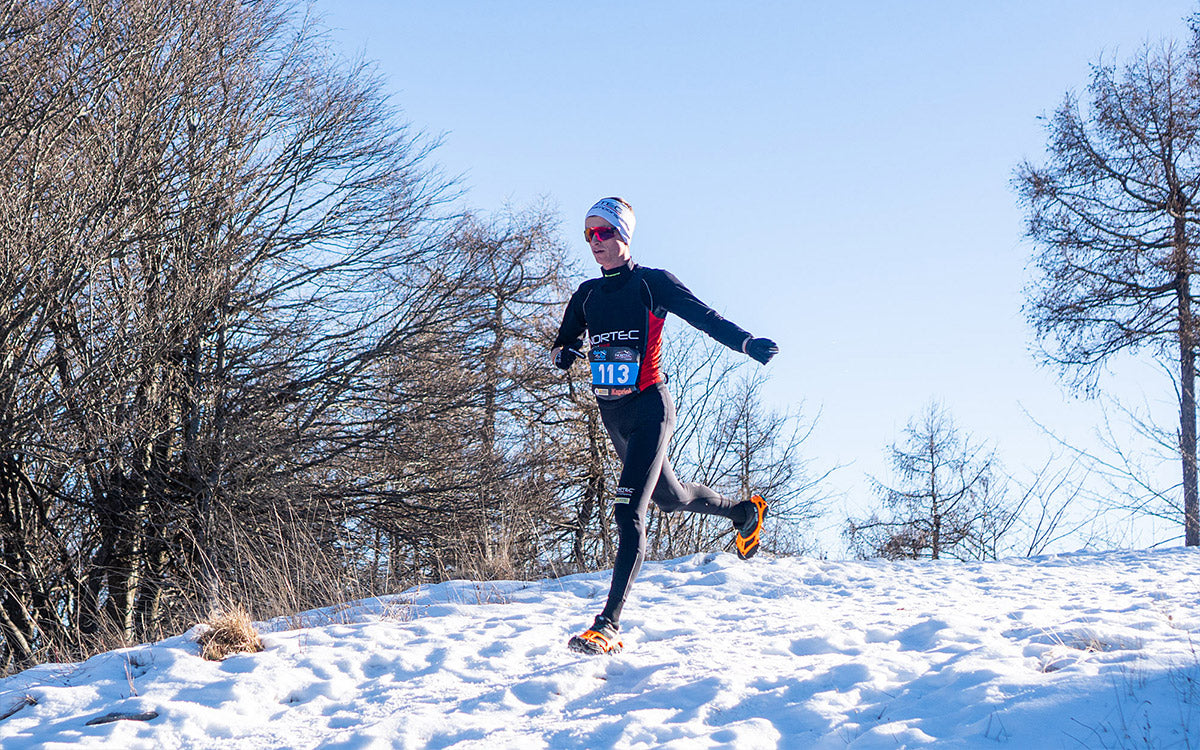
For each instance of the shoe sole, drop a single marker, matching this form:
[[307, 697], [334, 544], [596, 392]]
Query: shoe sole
[[581, 645], [747, 546]]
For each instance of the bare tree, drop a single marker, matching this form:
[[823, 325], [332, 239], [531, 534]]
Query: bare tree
[[945, 501], [507, 274], [213, 230], [1113, 213], [586, 467], [1129, 466]]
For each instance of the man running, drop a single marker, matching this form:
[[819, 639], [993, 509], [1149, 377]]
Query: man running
[[622, 313]]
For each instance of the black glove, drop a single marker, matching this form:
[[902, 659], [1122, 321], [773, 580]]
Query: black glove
[[761, 350], [566, 357]]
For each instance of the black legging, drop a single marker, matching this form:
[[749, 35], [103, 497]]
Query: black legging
[[640, 429]]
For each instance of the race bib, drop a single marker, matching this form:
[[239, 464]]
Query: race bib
[[614, 368]]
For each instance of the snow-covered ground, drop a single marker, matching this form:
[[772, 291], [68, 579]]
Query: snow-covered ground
[[1090, 650]]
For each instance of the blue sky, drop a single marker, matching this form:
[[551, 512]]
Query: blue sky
[[835, 176]]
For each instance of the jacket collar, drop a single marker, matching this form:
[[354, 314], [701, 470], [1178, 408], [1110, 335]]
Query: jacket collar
[[619, 271]]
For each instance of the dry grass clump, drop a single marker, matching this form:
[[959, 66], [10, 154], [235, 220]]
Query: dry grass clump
[[230, 632]]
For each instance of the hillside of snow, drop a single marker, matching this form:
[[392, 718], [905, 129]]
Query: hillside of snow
[[1089, 650]]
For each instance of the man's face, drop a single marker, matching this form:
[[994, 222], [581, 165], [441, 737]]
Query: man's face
[[611, 253]]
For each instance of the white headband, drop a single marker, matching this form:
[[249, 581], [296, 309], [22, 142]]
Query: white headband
[[615, 212]]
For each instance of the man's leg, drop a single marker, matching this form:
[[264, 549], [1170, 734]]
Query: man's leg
[[641, 441], [641, 431], [671, 495]]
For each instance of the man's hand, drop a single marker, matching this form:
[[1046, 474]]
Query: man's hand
[[565, 357], [761, 350]]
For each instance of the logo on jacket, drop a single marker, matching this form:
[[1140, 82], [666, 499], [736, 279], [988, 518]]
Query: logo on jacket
[[624, 354], [605, 338]]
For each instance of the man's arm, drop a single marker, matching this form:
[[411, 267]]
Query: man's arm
[[671, 295], [568, 344]]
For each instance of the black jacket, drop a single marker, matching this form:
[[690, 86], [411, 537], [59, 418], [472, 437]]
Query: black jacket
[[626, 308]]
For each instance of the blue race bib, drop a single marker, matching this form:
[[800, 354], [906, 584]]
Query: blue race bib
[[614, 366]]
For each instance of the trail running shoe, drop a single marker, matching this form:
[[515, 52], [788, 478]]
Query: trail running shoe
[[747, 536], [601, 638]]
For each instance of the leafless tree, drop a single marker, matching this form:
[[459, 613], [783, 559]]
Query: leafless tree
[[1127, 469], [497, 393], [587, 468], [946, 500], [213, 231], [1113, 214]]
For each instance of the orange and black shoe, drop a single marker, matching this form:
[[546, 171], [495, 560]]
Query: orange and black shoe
[[601, 638], [747, 534]]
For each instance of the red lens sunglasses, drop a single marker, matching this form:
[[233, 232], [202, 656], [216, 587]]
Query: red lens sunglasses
[[604, 234]]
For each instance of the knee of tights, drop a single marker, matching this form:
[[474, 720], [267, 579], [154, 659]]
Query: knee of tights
[[626, 515], [668, 506]]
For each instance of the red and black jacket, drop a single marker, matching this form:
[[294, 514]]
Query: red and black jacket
[[627, 307]]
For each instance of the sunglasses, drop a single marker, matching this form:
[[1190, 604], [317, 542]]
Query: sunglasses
[[604, 234]]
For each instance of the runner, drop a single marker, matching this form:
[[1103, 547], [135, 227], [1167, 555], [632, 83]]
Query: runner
[[622, 313]]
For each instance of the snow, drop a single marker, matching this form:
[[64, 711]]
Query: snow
[[1087, 650]]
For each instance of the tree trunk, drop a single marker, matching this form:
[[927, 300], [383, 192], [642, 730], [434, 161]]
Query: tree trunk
[[935, 511], [1187, 384], [1187, 418]]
